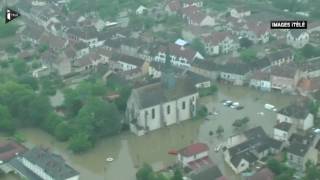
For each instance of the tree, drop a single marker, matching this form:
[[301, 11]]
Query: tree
[[245, 42], [99, 118], [30, 81], [309, 51], [248, 55], [6, 123], [51, 122], [275, 166], [19, 67], [145, 173], [198, 46], [7, 30], [312, 171], [63, 131], [220, 130], [177, 175], [80, 142], [39, 108]]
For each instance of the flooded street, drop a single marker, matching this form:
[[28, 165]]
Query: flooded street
[[130, 152]]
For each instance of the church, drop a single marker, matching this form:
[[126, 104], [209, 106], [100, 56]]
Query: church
[[160, 104]]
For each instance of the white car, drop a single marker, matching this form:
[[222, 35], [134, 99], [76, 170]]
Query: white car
[[227, 103], [217, 149], [317, 131]]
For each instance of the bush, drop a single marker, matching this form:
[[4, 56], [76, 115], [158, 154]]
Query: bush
[[207, 91], [19, 137], [202, 111]]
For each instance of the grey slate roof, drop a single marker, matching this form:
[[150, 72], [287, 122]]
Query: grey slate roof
[[287, 70], [156, 93], [284, 126], [53, 164], [297, 149], [285, 53], [205, 64], [247, 155], [257, 141], [196, 78], [127, 59], [295, 111], [234, 68]]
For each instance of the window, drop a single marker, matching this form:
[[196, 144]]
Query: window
[[183, 105], [168, 109], [153, 113]]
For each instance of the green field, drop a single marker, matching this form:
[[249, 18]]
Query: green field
[[7, 30]]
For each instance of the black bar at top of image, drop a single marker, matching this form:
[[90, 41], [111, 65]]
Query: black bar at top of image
[[301, 24]]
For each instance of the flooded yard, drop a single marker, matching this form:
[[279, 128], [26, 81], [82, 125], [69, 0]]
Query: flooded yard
[[130, 152]]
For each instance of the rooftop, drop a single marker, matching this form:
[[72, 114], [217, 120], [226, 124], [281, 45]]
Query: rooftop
[[284, 126], [194, 149], [298, 111], [53, 164]]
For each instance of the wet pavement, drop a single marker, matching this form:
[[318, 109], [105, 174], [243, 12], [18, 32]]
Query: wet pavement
[[130, 152]]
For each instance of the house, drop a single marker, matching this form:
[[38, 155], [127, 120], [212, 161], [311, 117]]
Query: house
[[239, 12], [252, 145], [285, 78], [257, 32], [198, 80], [282, 131], [297, 38], [298, 115], [127, 63], [194, 155], [87, 62], [180, 56], [32, 32], [195, 17], [197, 3], [81, 49], [8, 151], [311, 67], [280, 57], [191, 32], [235, 73], [41, 72], [307, 86], [261, 80], [54, 42], [263, 174], [219, 42], [141, 10], [161, 104], [301, 149], [173, 7], [39, 163], [211, 172], [205, 68]]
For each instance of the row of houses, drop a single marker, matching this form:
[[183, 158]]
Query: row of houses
[[36, 164]]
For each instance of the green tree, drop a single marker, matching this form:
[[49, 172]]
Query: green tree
[[7, 30], [80, 142], [312, 171], [19, 67], [245, 42], [63, 131], [6, 123], [39, 108], [177, 175], [102, 117], [197, 45], [248, 55], [30, 81], [145, 173], [51, 122]]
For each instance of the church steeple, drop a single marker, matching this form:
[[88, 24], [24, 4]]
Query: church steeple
[[168, 75]]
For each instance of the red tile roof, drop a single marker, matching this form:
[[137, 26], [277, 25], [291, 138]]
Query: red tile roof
[[194, 149], [8, 150], [264, 174], [309, 84], [174, 5], [193, 13], [217, 37]]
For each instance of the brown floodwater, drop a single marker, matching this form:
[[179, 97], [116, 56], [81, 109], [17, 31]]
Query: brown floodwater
[[130, 152]]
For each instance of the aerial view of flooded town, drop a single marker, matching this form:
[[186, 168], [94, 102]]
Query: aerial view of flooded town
[[160, 90]]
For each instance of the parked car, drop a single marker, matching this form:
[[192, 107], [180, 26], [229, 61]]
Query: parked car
[[217, 149], [317, 131], [227, 103]]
